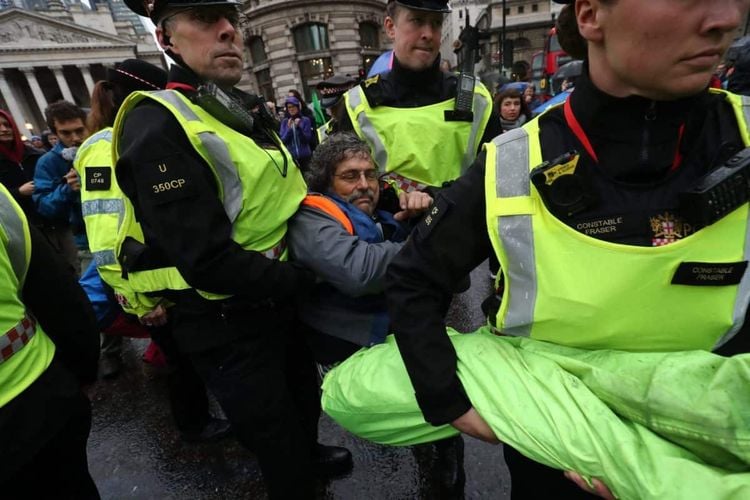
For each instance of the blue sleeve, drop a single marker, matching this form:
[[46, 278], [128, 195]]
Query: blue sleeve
[[306, 129], [284, 130], [52, 196]]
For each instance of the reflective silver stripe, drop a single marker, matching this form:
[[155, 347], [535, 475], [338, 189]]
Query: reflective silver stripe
[[103, 135], [102, 206], [480, 107], [515, 232], [379, 153], [743, 290], [218, 151], [104, 258], [14, 228], [16, 338]]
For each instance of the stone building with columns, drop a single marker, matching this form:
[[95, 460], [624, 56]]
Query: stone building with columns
[[59, 54], [296, 44]]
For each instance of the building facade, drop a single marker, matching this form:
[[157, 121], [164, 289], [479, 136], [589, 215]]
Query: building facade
[[60, 54], [527, 24], [296, 44]]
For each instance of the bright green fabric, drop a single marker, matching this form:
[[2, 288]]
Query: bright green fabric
[[258, 193], [650, 425], [582, 288], [441, 152], [103, 211], [29, 361]]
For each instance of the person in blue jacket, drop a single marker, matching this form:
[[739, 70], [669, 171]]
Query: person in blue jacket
[[297, 132], [57, 186]]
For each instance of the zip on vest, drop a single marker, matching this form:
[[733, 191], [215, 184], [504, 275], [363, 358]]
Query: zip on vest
[[16, 338]]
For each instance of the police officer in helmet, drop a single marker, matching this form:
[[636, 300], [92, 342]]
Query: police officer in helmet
[[211, 187], [640, 128], [406, 115]]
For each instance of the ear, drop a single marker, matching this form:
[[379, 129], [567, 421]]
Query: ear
[[389, 24], [589, 17], [163, 39]]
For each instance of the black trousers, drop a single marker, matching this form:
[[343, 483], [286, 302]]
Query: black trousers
[[52, 464], [188, 401], [266, 384]]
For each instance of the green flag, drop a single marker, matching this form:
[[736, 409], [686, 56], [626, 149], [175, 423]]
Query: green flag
[[320, 116]]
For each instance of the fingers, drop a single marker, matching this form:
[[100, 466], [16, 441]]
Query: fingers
[[598, 488], [416, 201]]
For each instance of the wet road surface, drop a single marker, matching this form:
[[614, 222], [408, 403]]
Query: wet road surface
[[135, 452]]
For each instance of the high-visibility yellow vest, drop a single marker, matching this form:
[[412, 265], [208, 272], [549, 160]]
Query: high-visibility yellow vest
[[568, 288], [417, 146], [25, 350], [258, 197], [324, 131], [103, 210]]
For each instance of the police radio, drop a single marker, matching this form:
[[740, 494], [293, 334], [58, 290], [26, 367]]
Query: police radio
[[224, 108], [719, 192], [465, 92], [468, 45]]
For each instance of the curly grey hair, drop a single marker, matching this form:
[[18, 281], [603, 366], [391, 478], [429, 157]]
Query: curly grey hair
[[327, 156]]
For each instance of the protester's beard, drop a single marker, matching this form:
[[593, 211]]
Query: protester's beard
[[363, 193]]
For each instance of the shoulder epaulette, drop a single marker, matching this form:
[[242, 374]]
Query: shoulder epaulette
[[373, 89]]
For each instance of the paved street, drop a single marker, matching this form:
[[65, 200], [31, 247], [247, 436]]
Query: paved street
[[134, 451]]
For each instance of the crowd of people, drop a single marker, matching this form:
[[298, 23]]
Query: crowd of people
[[259, 250]]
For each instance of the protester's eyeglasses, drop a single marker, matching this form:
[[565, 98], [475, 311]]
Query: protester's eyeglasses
[[353, 176]]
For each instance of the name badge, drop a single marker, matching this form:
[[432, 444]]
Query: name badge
[[709, 273], [98, 178]]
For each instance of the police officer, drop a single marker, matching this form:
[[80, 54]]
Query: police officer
[[331, 93], [406, 114], [103, 210], [49, 346], [640, 128], [212, 188]]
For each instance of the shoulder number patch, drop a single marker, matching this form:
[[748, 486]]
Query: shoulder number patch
[[98, 179]]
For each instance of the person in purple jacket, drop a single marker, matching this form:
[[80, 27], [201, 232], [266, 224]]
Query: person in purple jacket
[[297, 132]]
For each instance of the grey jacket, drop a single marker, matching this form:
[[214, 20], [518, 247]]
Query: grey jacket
[[348, 301]]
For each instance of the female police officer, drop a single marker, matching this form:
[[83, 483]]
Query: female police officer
[[639, 129]]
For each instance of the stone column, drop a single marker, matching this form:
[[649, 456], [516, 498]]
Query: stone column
[[86, 72], [12, 100], [41, 101], [62, 83]]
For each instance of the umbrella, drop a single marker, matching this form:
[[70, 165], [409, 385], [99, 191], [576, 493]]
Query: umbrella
[[559, 98], [382, 64], [519, 86], [569, 70]]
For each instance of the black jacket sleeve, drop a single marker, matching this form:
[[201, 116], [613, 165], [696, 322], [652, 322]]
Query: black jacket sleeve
[[51, 292], [444, 247], [188, 224]]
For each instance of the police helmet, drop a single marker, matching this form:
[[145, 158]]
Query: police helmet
[[155, 8], [332, 89], [428, 5]]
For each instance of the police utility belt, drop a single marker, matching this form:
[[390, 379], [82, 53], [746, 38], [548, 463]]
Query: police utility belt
[[566, 192]]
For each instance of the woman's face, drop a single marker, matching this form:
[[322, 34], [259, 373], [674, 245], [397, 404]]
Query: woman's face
[[660, 49], [6, 131], [292, 109], [510, 108]]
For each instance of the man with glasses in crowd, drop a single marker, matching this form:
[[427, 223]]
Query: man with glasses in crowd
[[342, 236], [213, 187]]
